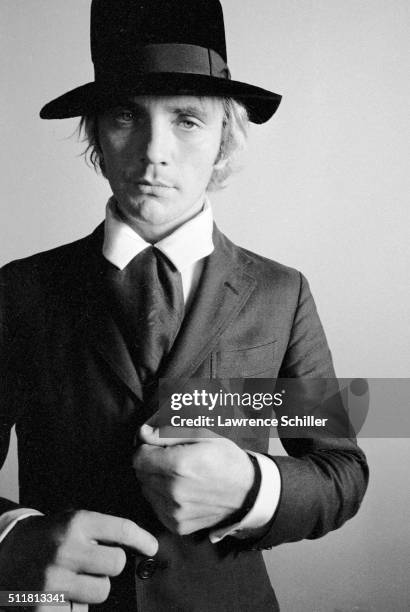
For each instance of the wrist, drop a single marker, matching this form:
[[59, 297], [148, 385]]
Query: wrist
[[251, 494], [253, 490]]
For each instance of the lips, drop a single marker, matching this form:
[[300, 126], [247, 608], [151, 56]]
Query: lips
[[155, 189], [153, 184]]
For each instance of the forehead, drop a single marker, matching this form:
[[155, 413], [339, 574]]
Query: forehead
[[209, 107]]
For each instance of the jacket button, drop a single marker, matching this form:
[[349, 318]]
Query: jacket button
[[146, 568]]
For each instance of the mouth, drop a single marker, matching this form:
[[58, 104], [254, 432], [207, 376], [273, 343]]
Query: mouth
[[156, 183], [157, 187]]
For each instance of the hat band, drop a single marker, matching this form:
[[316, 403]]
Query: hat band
[[178, 58]]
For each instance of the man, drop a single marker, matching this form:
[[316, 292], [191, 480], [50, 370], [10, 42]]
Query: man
[[143, 522]]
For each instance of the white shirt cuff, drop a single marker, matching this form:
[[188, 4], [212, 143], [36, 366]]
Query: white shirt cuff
[[265, 504], [9, 519]]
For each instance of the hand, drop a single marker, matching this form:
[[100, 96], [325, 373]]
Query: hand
[[68, 552], [192, 483]]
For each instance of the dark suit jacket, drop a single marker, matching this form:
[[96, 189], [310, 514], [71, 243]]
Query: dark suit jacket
[[69, 384]]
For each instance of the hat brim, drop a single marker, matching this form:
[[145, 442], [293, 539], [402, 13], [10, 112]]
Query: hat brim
[[95, 97]]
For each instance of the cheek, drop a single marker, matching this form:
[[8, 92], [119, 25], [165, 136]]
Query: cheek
[[199, 161], [114, 153], [114, 149], [118, 166]]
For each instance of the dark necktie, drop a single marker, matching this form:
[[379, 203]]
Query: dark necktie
[[148, 299]]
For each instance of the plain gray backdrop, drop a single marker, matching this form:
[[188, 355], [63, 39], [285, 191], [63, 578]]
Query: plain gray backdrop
[[324, 188]]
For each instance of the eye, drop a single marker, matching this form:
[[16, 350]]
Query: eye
[[188, 123], [124, 116]]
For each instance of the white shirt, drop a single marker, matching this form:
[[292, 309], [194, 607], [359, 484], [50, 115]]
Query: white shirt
[[187, 247]]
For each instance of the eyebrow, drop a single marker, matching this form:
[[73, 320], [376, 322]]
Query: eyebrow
[[190, 109], [176, 109]]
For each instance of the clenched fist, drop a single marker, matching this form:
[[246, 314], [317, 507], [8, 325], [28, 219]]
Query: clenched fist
[[192, 483]]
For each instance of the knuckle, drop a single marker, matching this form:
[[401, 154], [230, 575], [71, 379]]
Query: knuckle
[[76, 521], [95, 591], [182, 465], [177, 493], [49, 579], [79, 517], [179, 515], [69, 556], [57, 579]]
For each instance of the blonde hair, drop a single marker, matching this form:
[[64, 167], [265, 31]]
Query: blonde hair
[[233, 141]]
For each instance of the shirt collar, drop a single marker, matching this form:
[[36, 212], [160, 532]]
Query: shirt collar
[[188, 244]]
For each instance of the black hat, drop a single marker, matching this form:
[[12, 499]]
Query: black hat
[[158, 47]]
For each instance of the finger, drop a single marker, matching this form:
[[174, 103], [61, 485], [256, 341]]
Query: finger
[[116, 530], [79, 588], [101, 560], [166, 435], [90, 589]]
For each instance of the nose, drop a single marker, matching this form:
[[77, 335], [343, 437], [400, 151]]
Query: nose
[[155, 148]]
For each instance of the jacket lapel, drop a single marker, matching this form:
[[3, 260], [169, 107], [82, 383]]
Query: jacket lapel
[[224, 288], [102, 330]]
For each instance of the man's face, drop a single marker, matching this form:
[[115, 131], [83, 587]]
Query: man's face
[[159, 154]]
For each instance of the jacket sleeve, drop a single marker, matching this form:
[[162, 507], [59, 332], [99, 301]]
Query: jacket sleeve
[[8, 414], [323, 479]]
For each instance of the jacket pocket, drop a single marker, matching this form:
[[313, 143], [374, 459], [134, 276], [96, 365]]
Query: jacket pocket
[[245, 362]]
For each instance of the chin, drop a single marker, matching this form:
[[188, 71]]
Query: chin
[[145, 209], [140, 203]]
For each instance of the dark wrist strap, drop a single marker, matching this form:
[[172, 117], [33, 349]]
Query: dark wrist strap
[[250, 498]]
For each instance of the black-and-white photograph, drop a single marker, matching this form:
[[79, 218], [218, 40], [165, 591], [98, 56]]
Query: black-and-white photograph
[[203, 201]]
